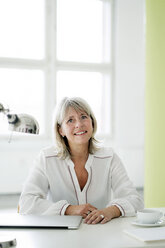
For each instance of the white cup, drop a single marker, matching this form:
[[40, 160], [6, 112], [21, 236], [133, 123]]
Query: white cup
[[149, 216]]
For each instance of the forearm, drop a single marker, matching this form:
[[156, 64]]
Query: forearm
[[30, 204], [113, 211], [125, 195], [129, 204]]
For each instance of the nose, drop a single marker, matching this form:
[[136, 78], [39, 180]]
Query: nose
[[78, 123]]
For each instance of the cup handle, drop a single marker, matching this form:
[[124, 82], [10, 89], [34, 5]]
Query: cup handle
[[161, 215]]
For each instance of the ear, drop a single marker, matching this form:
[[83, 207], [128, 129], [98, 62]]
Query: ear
[[61, 131]]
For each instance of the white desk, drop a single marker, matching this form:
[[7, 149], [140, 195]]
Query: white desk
[[109, 235]]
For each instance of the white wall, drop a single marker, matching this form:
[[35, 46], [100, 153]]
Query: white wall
[[15, 160], [128, 122], [129, 86]]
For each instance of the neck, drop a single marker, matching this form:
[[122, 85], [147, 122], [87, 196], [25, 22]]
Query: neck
[[79, 152]]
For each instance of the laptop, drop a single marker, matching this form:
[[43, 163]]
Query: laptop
[[16, 220]]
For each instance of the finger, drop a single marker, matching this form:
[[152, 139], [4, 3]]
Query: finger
[[84, 216], [86, 219], [89, 216], [91, 212], [104, 220], [92, 219], [94, 211], [92, 208], [97, 220], [88, 212]]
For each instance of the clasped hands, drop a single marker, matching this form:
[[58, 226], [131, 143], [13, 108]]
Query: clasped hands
[[92, 215]]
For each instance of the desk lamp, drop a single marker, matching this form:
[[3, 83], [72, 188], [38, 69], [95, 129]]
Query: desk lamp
[[20, 123]]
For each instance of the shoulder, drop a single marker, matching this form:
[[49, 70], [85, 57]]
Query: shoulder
[[107, 155], [49, 152], [104, 152]]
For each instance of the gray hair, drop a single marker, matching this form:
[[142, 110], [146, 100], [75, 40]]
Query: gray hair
[[78, 104]]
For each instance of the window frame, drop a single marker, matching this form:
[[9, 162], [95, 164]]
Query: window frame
[[50, 65]]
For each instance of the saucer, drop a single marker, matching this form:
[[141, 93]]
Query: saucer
[[158, 223]]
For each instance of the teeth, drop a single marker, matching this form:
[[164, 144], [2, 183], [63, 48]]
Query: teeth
[[80, 133]]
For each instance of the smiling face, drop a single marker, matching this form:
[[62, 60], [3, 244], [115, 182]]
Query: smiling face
[[76, 127]]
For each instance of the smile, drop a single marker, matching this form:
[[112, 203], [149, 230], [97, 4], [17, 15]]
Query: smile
[[80, 133]]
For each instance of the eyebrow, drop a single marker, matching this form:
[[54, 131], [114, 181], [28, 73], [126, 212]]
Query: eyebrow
[[72, 116]]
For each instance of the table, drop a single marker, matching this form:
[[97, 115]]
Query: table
[[109, 235]]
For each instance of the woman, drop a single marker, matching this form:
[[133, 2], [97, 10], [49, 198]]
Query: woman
[[76, 177]]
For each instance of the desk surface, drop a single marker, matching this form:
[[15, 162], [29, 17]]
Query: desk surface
[[99, 236]]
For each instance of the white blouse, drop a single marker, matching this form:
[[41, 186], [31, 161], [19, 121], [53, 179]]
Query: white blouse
[[52, 185]]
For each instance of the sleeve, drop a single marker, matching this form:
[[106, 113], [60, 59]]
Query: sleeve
[[33, 199], [125, 196]]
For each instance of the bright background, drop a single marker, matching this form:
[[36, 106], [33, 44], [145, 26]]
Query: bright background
[[113, 57]]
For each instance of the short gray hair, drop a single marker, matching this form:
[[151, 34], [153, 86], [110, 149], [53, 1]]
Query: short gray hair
[[78, 104]]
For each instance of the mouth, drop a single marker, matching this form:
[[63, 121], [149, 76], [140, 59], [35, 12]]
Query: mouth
[[80, 133]]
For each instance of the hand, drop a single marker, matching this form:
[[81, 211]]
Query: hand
[[103, 215], [82, 210]]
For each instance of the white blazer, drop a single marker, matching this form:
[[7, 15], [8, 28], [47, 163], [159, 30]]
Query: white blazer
[[52, 185]]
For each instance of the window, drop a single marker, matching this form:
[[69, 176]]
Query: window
[[22, 53], [55, 48], [22, 29]]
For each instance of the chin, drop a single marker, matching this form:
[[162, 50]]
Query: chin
[[81, 142]]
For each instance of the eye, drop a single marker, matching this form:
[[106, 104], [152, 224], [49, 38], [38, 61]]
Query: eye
[[84, 117], [70, 121]]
